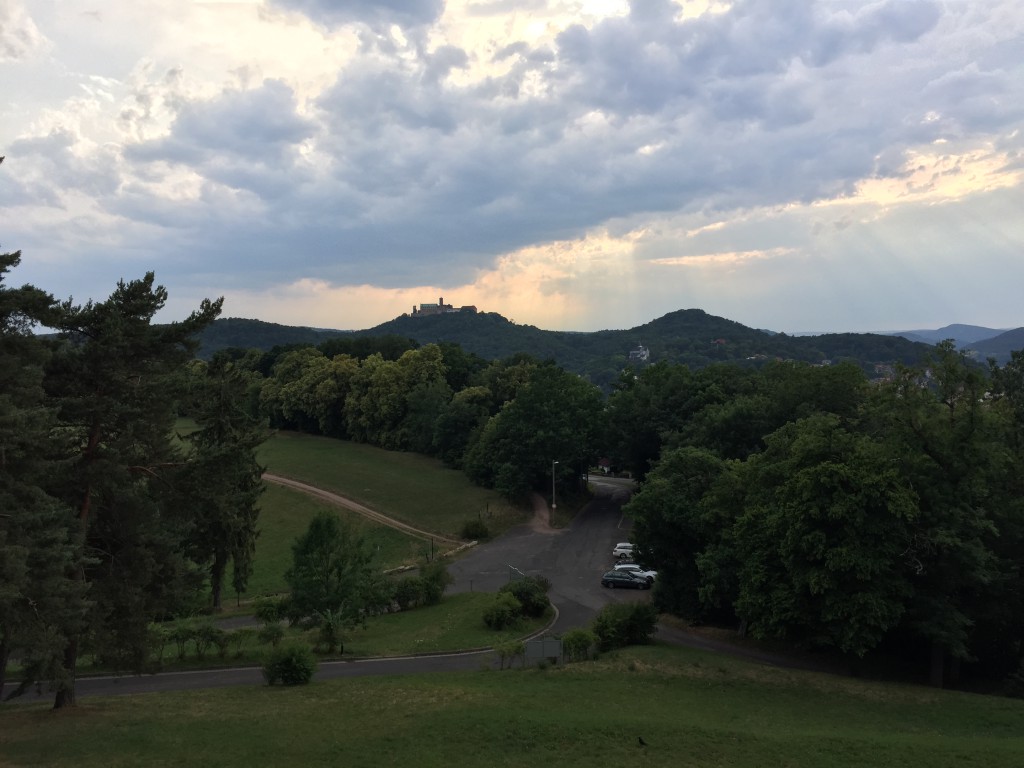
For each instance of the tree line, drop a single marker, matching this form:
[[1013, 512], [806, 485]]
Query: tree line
[[796, 501], [807, 504]]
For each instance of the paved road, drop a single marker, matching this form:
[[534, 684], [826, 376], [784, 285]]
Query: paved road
[[573, 559]]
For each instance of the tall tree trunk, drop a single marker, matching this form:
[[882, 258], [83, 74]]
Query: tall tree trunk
[[66, 692], [217, 569]]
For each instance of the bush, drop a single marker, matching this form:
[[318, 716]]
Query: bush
[[475, 530], [182, 634], [622, 624], [238, 638], [292, 664], [269, 610], [272, 634], [409, 592], [330, 625], [579, 645], [435, 578], [206, 635], [531, 592], [504, 612], [509, 652]]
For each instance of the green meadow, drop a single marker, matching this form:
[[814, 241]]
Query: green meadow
[[691, 708], [408, 487]]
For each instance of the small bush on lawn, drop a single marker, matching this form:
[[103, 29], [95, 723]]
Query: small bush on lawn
[[475, 530], [409, 592], [330, 625], [503, 612], [579, 645], [182, 634], [532, 594], [435, 577], [292, 664], [207, 635], [622, 624], [509, 652]]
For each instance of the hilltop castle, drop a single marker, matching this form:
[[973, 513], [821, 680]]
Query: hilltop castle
[[439, 309]]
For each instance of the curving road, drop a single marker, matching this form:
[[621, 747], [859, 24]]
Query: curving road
[[573, 559]]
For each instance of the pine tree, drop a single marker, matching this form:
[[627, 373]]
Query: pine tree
[[115, 379]]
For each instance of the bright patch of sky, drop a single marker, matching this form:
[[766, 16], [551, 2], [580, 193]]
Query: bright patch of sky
[[569, 164]]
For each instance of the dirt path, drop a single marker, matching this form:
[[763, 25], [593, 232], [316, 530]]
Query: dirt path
[[377, 517], [540, 522]]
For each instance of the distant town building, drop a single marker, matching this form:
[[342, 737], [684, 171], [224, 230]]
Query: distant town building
[[440, 308], [640, 355]]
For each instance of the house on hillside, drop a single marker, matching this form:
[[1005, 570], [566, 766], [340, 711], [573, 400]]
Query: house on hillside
[[640, 355]]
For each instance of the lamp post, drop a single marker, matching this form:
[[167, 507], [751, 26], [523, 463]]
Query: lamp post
[[554, 506]]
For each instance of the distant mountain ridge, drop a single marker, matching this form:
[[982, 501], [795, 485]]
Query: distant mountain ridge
[[689, 336], [983, 342]]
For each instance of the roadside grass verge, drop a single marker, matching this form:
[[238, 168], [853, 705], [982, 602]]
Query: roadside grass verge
[[415, 489], [691, 708], [454, 624]]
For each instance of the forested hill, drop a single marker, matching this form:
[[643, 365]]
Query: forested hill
[[688, 336]]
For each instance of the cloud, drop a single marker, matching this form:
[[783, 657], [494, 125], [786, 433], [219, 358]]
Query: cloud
[[19, 36], [401, 147], [376, 13]]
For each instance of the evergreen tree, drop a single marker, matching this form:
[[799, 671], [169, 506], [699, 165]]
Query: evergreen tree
[[38, 602], [222, 480], [114, 380]]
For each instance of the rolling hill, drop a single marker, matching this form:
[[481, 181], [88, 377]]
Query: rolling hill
[[689, 336]]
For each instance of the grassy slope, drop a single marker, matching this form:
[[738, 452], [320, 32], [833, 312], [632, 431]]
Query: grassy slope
[[406, 486], [691, 708]]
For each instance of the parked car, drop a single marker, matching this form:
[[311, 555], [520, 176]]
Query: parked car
[[623, 549], [614, 579], [637, 570]]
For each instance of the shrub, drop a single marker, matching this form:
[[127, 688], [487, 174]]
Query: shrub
[[157, 637], [272, 634], [237, 639], [292, 664], [330, 625], [206, 635], [531, 592], [579, 645], [269, 610], [509, 652], [622, 624], [435, 578], [182, 634], [475, 530], [409, 592], [503, 612]]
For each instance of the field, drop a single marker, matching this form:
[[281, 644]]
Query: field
[[408, 487], [692, 709]]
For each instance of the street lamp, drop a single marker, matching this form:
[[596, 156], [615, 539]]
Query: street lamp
[[553, 505]]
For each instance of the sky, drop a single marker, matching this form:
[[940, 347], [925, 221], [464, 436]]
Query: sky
[[569, 164]]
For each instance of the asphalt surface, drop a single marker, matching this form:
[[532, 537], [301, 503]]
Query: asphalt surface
[[572, 559]]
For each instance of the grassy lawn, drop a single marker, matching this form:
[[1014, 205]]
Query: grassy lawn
[[285, 514], [410, 487], [692, 709]]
